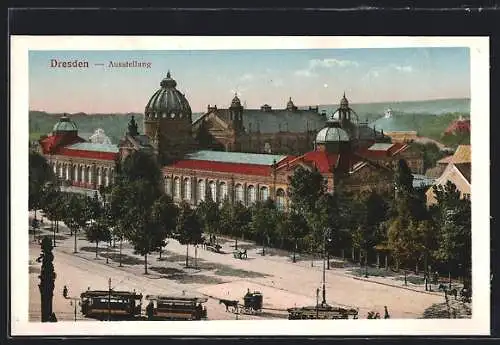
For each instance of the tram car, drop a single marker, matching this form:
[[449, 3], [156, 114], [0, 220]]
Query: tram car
[[111, 304], [252, 302], [181, 308], [324, 312]]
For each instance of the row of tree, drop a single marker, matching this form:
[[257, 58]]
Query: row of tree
[[397, 224]]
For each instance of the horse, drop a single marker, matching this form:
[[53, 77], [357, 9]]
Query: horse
[[229, 303], [453, 292]]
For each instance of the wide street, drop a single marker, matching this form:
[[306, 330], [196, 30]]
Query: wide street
[[284, 284]]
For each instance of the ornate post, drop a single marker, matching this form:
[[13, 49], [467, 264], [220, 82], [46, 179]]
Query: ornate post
[[47, 277]]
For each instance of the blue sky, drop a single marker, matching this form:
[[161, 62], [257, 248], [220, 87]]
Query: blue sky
[[310, 77]]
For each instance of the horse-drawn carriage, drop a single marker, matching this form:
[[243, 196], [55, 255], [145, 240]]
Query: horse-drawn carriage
[[176, 308], [240, 254], [211, 244], [252, 302], [102, 304]]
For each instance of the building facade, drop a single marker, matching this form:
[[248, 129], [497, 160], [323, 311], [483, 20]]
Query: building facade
[[220, 156]]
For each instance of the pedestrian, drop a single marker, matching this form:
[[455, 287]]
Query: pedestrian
[[386, 313], [65, 291], [53, 317]]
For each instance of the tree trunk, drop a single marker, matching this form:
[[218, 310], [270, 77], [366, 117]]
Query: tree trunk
[[187, 255], [196, 256], [57, 226], [121, 241], [397, 265], [416, 268], [353, 254], [53, 231], [96, 248], [75, 251], [236, 245], [294, 251], [160, 252], [146, 263], [342, 253], [386, 263], [378, 260]]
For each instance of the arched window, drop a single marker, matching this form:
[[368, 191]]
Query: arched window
[[201, 190], [99, 176], [82, 175], [177, 187], [107, 176], [267, 148], [264, 193], [168, 185], [280, 199], [75, 169], [222, 191], [240, 196], [251, 194], [61, 170], [89, 175], [187, 188], [68, 172], [213, 190]]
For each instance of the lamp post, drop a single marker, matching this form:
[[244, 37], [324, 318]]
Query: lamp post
[[109, 299], [325, 235]]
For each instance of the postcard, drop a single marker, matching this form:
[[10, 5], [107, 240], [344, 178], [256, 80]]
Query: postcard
[[249, 185]]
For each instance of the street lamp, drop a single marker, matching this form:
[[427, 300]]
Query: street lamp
[[325, 235]]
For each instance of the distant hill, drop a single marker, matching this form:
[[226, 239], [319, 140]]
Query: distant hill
[[429, 118]]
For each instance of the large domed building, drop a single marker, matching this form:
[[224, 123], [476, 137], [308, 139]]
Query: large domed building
[[335, 147], [167, 121]]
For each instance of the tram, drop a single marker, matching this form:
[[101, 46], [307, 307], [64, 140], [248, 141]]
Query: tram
[[102, 304], [169, 307]]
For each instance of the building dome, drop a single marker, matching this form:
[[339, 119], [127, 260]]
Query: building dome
[[344, 103], [331, 135], [235, 102], [168, 101], [64, 125]]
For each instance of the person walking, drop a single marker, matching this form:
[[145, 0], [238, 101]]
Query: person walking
[[386, 313], [65, 291]]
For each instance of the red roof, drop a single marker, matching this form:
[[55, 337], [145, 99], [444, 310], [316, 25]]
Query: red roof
[[381, 153], [236, 168], [458, 126], [51, 143], [326, 161], [87, 154]]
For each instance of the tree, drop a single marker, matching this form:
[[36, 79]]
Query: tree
[[188, 228], [47, 278], [40, 174], [164, 214], [403, 177], [144, 232], [97, 232], [263, 221], [453, 216], [306, 187], [297, 229], [53, 204], [209, 214], [135, 191], [76, 214]]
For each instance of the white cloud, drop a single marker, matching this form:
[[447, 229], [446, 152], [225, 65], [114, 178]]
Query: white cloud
[[329, 63], [406, 69], [315, 64], [247, 77], [305, 73]]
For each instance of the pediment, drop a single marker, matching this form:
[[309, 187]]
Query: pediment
[[215, 123]]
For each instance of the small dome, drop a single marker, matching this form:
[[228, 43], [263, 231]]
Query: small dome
[[331, 134], [344, 103], [290, 104], [64, 125], [168, 101], [236, 101]]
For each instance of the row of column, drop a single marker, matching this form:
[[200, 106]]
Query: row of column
[[83, 174], [194, 191]]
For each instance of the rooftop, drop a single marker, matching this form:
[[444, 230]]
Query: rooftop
[[380, 147], [94, 147], [236, 157]]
